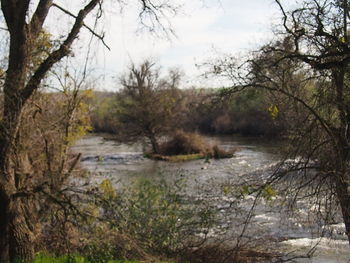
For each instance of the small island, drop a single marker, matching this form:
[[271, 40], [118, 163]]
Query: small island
[[184, 146]]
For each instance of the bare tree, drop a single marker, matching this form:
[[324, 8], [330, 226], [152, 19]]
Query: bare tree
[[148, 105], [309, 67], [21, 82]]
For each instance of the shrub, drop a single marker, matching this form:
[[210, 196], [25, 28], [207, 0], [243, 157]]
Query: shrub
[[184, 143], [144, 221], [156, 216], [192, 145]]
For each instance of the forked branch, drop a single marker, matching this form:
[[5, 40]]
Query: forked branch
[[59, 53]]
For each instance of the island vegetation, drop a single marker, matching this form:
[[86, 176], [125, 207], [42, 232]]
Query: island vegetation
[[154, 110], [295, 88]]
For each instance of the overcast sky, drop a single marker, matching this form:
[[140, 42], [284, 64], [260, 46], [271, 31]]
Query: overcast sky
[[230, 26], [202, 28]]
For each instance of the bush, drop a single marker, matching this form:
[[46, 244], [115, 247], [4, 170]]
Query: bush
[[156, 216], [192, 145], [104, 242], [145, 221], [184, 143]]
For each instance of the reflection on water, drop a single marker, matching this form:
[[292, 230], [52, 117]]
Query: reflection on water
[[125, 163]]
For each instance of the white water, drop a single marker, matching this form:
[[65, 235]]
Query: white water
[[123, 164]]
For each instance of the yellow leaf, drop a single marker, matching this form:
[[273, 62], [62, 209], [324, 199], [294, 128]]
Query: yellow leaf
[[273, 110]]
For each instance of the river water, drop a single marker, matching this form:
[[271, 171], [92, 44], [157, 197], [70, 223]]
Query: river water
[[295, 233]]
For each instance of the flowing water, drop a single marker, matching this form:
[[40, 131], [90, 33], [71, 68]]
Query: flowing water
[[124, 164]]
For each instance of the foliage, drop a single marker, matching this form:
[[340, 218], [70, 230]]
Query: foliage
[[156, 216], [248, 113], [147, 106], [104, 107], [43, 258], [146, 221], [273, 110], [206, 111], [29, 186]]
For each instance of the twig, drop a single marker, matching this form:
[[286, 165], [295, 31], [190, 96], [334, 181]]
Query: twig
[[100, 37]]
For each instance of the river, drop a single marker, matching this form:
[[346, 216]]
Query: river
[[124, 164]]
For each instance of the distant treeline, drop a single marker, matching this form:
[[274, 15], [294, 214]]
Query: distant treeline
[[210, 111]]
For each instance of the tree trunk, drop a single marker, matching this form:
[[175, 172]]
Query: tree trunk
[[154, 143], [343, 194], [4, 246], [21, 238], [16, 235], [18, 240], [342, 177]]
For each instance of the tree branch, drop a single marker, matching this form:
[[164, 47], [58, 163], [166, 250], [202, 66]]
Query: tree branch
[[58, 54], [327, 127], [39, 17], [100, 37]]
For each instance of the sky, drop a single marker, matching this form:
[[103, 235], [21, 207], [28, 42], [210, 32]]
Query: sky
[[202, 29]]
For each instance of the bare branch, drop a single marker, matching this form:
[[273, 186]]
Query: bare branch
[[100, 37], [39, 17], [58, 54], [153, 16]]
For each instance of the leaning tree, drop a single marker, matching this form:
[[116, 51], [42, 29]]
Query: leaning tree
[[24, 21]]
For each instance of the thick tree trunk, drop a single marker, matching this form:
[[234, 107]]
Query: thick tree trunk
[[17, 238], [15, 231], [21, 238]]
